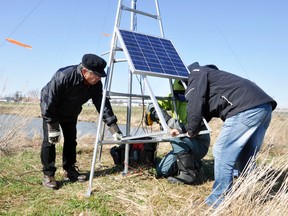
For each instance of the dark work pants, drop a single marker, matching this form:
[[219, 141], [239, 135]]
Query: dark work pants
[[48, 150]]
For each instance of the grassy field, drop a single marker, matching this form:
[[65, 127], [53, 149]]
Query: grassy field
[[263, 192]]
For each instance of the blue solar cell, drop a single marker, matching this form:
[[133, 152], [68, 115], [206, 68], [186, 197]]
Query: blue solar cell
[[152, 55]]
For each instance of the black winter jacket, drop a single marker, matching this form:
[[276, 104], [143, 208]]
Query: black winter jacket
[[62, 98], [215, 93]]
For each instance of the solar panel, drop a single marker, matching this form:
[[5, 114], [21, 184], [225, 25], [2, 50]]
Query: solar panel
[[152, 55]]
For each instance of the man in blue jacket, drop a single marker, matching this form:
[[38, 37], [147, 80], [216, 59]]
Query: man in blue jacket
[[183, 163], [245, 110], [61, 103]]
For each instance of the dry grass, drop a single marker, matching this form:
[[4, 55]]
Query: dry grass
[[12, 126], [262, 192]]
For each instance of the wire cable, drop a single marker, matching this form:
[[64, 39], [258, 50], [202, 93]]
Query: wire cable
[[69, 32], [21, 23], [227, 42], [104, 23]]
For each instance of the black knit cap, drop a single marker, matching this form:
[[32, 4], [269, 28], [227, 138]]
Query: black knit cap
[[94, 63]]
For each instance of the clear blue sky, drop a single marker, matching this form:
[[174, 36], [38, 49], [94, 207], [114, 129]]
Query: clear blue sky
[[248, 38]]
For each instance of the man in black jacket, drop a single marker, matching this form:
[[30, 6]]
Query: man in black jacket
[[61, 103], [245, 110]]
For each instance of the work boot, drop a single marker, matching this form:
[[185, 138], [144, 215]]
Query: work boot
[[73, 175], [183, 178], [49, 182], [187, 174]]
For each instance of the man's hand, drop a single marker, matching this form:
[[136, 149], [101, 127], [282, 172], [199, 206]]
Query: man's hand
[[115, 131], [54, 133], [117, 136], [191, 135], [174, 132]]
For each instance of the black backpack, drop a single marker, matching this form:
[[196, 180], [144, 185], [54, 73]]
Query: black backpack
[[139, 154]]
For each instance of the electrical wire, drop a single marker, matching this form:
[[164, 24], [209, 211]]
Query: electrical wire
[[104, 23], [21, 23], [69, 32], [227, 42]]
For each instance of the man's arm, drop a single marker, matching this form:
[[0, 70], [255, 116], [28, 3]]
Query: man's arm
[[196, 97], [108, 115], [50, 99]]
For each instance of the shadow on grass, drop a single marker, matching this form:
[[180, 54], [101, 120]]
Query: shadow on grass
[[279, 178], [149, 169], [207, 173], [208, 166]]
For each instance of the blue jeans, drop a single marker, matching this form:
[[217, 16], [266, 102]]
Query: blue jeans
[[239, 141], [198, 145]]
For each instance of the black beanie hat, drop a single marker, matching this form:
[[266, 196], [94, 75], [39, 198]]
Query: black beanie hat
[[94, 63]]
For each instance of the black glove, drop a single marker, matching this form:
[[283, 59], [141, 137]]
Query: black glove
[[53, 133], [115, 131], [151, 115]]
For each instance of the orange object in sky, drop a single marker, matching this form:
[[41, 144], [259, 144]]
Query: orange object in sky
[[105, 34], [18, 43]]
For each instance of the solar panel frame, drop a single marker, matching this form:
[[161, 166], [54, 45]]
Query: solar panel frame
[[151, 55]]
